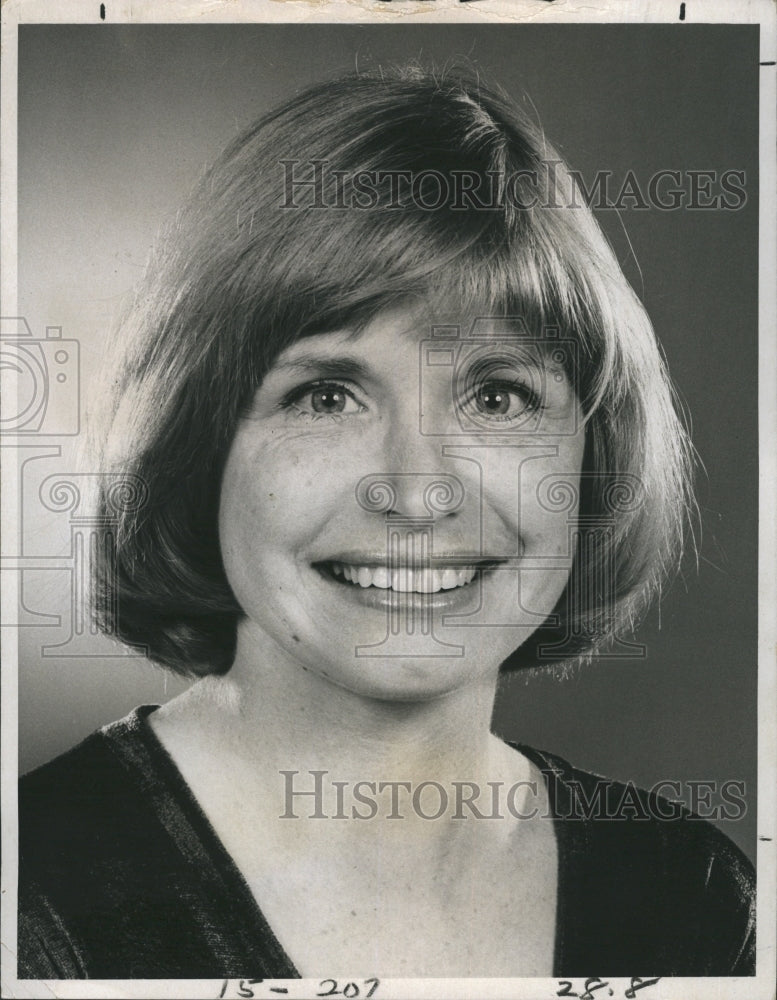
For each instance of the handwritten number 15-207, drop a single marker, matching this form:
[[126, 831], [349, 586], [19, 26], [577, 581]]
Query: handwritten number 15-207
[[248, 988], [350, 990]]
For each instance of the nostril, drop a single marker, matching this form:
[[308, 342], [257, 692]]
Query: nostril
[[410, 494]]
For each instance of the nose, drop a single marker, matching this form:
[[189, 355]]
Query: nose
[[411, 496], [413, 479]]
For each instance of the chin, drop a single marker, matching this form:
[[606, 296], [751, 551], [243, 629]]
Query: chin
[[408, 678]]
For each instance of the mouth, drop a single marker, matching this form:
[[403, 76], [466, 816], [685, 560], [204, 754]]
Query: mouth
[[406, 579]]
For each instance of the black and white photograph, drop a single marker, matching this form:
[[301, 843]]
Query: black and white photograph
[[388, 445]]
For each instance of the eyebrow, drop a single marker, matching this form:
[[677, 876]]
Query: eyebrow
[[528, 359], [349, 367], [343, 366]]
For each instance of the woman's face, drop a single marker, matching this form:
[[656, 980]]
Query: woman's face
[[387, 516]]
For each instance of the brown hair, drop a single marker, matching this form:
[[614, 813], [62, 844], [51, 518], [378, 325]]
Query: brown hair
[[318, 216]]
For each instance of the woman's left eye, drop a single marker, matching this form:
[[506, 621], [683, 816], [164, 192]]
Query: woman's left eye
[[502, 401], [322, 399]]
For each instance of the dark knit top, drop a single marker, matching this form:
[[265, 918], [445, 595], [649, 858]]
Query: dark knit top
[[122, 876]]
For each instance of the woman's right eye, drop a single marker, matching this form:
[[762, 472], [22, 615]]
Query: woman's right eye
[[323, 399]]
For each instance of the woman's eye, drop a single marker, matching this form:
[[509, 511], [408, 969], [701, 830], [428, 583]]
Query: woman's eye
[[324, 399], [493, 401], [503, 401], [328, 400]]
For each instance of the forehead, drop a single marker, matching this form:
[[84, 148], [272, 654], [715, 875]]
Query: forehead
[[438, 333]]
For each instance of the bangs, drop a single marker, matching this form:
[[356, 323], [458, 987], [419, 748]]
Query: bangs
[[456, 271], [367, 193]]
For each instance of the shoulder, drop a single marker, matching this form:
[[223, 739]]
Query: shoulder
[[92, 849], [650, 877], [61, 820], [76, 806]]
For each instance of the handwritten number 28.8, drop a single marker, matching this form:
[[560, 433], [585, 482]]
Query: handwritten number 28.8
[[595, 983]]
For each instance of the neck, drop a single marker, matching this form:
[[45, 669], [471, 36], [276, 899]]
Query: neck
[[271, 742], [293, 717], [271, 718]]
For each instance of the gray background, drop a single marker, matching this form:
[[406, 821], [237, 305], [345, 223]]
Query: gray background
[[115, 123]]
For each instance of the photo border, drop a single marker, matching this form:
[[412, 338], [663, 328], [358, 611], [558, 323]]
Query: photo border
[[424, 11]]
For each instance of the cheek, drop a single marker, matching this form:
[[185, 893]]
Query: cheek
[[277, 494], [535, 490]]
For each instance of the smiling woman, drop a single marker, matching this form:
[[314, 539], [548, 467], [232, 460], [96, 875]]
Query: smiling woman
[[398, 417], [322, 557]]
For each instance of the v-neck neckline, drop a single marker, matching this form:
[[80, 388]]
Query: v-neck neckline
[[136, 743]]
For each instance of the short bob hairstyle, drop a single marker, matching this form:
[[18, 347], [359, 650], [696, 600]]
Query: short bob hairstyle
[[357, 195]]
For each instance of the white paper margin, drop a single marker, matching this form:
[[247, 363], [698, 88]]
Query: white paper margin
[[764, 12]]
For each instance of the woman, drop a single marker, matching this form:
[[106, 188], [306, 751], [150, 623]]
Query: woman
[[393, 417]]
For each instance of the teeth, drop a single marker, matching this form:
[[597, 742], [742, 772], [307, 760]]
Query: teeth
[[405, 580]]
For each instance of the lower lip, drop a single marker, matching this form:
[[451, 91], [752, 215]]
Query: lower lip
[[385, 599]]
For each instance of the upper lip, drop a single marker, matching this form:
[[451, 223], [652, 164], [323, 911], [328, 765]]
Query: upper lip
[[437, 561]]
